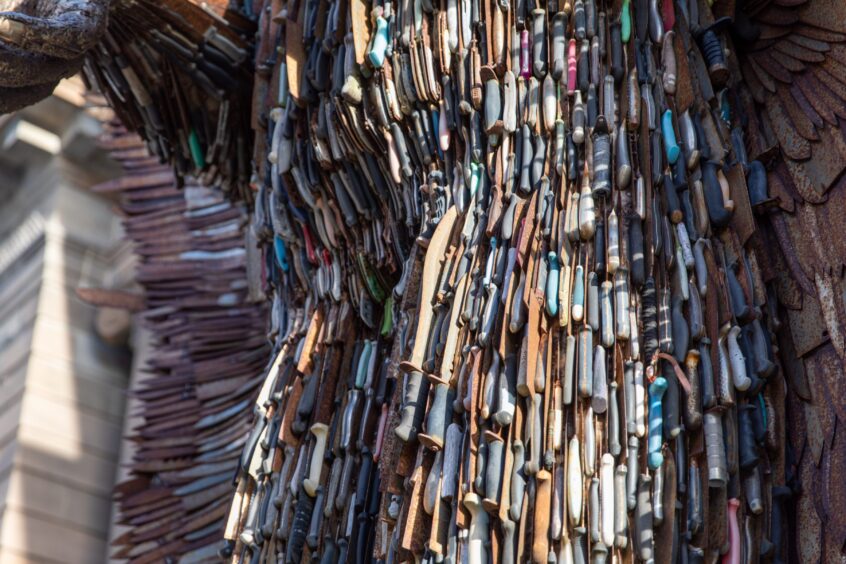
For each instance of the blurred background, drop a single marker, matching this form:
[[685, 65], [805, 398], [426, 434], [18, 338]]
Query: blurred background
[[65, 365]]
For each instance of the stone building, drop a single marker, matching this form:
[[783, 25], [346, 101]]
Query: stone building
[[64, 365]]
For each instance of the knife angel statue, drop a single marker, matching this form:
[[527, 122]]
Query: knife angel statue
[[793, 61]]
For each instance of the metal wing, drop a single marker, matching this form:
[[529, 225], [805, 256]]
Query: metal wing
[[795, 71]]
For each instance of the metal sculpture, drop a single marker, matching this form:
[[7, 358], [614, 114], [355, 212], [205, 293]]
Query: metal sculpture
[[525, 258]]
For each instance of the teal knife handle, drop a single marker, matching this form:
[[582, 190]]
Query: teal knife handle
[[281, 253], [626, 22], [552, 285], [363, 362], [380, 43], [476, 171], [656, 418], [670, 144]]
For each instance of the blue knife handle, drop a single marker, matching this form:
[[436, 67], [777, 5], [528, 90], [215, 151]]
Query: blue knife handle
[[670, 144], [656, 431]]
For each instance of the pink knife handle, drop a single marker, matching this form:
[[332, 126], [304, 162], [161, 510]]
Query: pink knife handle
[[312, 255], [443, 129], [733, 555], [668, 15], [571, 67], [525, 71]]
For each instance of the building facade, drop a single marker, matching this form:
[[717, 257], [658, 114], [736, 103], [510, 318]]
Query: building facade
[[64, 365]]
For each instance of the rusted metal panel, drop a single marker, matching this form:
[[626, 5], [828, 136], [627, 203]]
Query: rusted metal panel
[[807, 326], [742, 219]]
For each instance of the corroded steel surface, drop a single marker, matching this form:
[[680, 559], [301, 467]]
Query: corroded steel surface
[[796, 73]]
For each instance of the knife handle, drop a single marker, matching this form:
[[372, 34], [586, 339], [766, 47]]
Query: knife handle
[[579, 20], [715, 449], [589, 433], [593, 511], [580, 123], [599, 399], [671, 147], [602, 162], [725, 389], [571, 68], [299, 527], [592, 305], [625, 22], [694, 512], [709, 398], [560, 146], [599, 248], [314, 524], [574, 482], [569, 369], [623, 159], [489, 315], [738, 363], [552, 285], [697, 316], [320, 432], [733, 556], [718, 211], [585, 362], [559, 42], [680, 329], [578, 295], [526, 156], [525, 70], [535, 436], [613, 430], [752, 492], [637, 264], [700, 266], [451, 461], [411, 415], [668, 61], [629, 396], [583, 72], [639, 400], [693, 403], [438, 417], [643, 518], [518, 480], [761, 349], [493, 471], [671, 199], [656, 25], [539, 42], [739, 306], [613, 242], [509, 546], [632, 473], [621, 293], [606, 324], [656, 432], [670, 406], [478, 530], [747, 448], [658, 498], [665, 334], [540, 525]]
